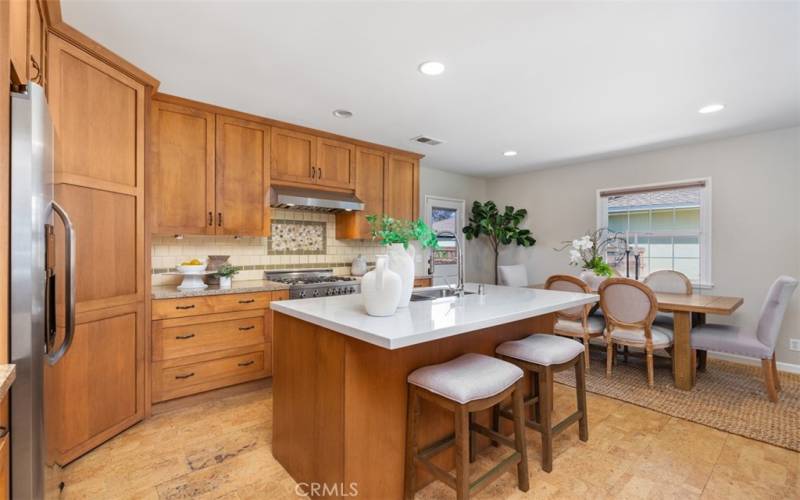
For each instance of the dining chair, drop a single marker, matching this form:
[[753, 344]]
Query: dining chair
[[516, 275], [576, 322], [758, 343], [630, 308], [668, 281]]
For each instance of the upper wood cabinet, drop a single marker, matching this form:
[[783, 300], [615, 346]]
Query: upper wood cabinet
[[182, 169], [26, 42], [402, 187], [308, 159], [242, 177], [371, 174], [209, 173]]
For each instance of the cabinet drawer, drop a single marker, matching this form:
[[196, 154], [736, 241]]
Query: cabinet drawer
[[209, 304], [188, 379], [186, 337]]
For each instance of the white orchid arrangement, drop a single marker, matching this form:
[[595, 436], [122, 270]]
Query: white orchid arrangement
[[589, 250]]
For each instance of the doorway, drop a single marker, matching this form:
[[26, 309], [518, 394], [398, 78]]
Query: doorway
[[445, 214]]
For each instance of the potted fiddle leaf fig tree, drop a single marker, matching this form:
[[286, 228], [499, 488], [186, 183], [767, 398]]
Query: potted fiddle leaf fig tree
[[499, 227]]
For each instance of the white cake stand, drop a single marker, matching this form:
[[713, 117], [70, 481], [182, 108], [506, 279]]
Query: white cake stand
[[192, 281]]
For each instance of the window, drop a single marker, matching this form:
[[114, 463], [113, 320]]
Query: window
[[445, 219], [668, 225]]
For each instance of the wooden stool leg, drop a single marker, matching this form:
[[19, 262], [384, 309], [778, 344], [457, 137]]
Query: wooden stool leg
[[580, 389], [546, 416], [472, 447], [537, 406], [586, 351], [496, 423], [462, 452], [701, 360], [411, 442], [650, 374], [775, 373], [609, 357], [625, 354], [519, 436], [769, 380], [534, 393]]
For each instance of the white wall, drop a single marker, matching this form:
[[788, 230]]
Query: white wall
[[755, 213], [450, 185]]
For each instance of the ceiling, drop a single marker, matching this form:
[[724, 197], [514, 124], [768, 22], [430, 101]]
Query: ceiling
[[557, 82]]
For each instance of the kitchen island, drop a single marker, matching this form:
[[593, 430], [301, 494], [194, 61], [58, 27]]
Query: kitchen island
[[339, 379]]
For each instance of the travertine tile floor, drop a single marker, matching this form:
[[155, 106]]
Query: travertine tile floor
[[219, 447]]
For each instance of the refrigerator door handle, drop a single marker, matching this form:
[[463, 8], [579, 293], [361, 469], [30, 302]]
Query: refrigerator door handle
[[69, 285]]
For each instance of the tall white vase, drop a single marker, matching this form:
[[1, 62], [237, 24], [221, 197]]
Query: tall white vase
[[592, 279], [380, 289], [401, 261]]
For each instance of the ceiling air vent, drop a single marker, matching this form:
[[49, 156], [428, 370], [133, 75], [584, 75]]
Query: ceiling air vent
[[430, 141]]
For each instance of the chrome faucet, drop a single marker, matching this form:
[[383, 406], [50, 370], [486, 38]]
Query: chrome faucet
[[459, 262]]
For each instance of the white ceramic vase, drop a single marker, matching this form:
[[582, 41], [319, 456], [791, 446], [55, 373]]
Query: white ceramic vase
[[225, 281], [380, 289], [359, 266], [401, 261], [591, 279]]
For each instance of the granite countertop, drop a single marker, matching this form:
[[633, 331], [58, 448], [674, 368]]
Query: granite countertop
[[429, 320], [243, 286], [7, 375]]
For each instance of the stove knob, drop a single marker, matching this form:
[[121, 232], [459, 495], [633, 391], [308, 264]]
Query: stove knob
[[316, 293], [351, 290], [336, 291], [302, 294], [329, 292]]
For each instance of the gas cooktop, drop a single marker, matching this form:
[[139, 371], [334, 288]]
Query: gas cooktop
[[307, 283]]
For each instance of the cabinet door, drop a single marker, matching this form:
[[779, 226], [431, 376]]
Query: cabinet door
[[293, 155], [18, 40], [182, 170], [98, 117], [97, 389], [335, 164], [371, 170], [402, 191], [242, 177], [36, 28]]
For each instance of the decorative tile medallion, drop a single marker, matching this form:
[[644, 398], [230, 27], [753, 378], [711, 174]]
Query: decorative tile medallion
[[297, 237]]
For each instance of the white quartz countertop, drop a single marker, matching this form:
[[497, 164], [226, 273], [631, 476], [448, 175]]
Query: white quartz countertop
[[429, 320]]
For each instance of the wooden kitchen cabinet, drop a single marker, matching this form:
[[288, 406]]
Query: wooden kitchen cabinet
[[209, 173], [242, 177], [182, 169], [26, 42], [371, 174], [300, 158], [402, 187], [97, 389]]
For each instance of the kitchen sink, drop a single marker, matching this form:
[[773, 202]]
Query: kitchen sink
[[438, 293]]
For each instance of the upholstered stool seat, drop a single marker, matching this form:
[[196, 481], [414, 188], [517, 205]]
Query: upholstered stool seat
[[465, 385], [541, 349], [543, 355], [467, 378]]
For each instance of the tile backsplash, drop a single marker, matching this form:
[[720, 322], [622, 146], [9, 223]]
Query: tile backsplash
[[252, 254]]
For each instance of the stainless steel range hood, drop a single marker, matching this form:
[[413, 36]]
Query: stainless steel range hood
[[310, 199]]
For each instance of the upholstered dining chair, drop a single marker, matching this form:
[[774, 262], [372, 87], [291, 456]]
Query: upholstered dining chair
[[758, 343], [629, 308], [516, 275], [576, 322], [667, 281]]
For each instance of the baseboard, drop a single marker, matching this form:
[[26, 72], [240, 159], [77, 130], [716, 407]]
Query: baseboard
[[782, 366]]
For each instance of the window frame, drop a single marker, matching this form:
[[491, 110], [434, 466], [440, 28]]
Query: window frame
[[704, 236]]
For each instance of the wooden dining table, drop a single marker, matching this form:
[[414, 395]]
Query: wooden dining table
[[689, 311]]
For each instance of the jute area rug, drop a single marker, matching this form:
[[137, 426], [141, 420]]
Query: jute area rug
[[728, 396]]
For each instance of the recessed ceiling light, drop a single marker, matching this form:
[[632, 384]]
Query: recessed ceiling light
[[510, 153], [342, 113], [431, 68], [711, 108]]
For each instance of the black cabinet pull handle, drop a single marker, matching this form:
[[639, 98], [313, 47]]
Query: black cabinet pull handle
[[313, 172], [245, 328], [219, 219], [248, 301], [320, 173], [184, 337], [185, 307], [184, 376], [247, 363], [210, 219]]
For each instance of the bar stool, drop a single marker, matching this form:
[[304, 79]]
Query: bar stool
[[467, 384], [543, 355]]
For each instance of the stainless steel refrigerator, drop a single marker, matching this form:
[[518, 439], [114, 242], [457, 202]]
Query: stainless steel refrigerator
[[34, 285]]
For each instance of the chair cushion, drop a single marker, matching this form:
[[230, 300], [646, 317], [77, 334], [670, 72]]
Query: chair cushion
[[730, 339], [662, 337], [467, 378], [541, 349], [596, 325]]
